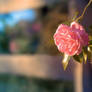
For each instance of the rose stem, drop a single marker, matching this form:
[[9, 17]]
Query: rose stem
[[80, 17]]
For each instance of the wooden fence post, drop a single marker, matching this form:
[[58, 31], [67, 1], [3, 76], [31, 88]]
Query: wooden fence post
[[78, 78]]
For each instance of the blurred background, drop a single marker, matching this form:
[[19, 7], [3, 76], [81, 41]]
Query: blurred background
[[29, 59]]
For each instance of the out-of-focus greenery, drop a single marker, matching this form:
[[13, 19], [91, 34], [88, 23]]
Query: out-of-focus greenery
[[30, 41], [26, 84], [57, 15], [4, 43], [22, 34]]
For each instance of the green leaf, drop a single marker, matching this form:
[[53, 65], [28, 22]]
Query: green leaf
[[90, 27], [85, 55], [67, 22], [89, 48], [89, 56], [78, 58], [90, 32], [90, 42], [75, 16], [65, 61], [89, 53]]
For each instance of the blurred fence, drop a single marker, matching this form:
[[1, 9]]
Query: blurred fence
[[41, 66], [44, 66]]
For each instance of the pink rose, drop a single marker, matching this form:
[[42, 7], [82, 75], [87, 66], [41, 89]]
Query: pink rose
[[71, 40]]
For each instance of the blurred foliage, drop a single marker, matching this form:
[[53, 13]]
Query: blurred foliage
[[12, 83], [4, 43], [30, 41], [57, 15], [26, 38]]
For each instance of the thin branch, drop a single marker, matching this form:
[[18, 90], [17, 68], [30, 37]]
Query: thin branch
[[80, 17]]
